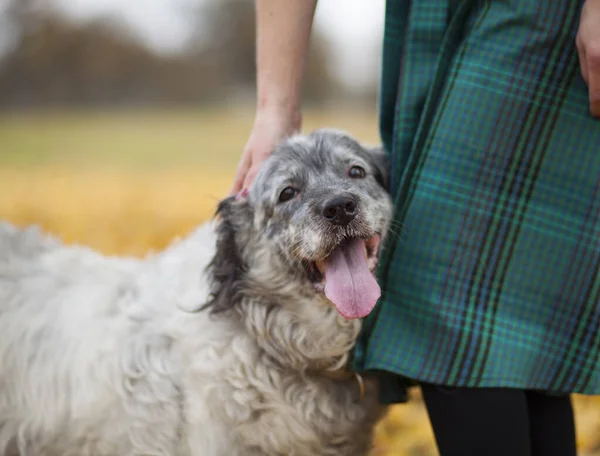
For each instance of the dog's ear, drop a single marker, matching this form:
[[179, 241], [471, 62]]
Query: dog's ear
[[381, 162], [227, 268]]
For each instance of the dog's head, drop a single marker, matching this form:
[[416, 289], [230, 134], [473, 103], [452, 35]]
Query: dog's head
[[314, 218]]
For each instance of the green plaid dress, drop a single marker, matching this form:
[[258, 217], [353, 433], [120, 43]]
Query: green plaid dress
[[493, 278]]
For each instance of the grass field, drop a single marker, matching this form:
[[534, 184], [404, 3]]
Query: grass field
[[130, 182]]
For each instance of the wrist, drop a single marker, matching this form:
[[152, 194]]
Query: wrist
[[280, 104], [287, 114]]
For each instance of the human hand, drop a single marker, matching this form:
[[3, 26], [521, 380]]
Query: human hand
[[269, 128], [588, 47]]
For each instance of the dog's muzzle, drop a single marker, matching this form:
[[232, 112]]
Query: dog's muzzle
[[340, 210]]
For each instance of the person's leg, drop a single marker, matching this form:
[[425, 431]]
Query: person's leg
[[477, 422], [551, 425]]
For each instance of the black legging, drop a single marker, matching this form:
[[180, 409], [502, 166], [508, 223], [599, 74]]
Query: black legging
[[500, 422]]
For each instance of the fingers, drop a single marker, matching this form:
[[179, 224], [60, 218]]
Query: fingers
[[240, 175], [592, 54], [246, 173], [250, 177], [582, 59], [237, 185]]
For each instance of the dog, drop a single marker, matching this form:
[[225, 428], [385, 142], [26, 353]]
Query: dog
[[233, 341]]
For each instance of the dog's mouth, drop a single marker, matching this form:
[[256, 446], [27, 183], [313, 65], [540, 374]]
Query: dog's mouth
[[346, 275]]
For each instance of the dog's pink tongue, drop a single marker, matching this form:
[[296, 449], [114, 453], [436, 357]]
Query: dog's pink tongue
[[349, 284]]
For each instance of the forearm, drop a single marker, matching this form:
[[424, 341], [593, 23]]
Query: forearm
[[283, 35]]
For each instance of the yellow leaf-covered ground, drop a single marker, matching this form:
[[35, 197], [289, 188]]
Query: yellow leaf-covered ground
[[130, 183], [132, 213]]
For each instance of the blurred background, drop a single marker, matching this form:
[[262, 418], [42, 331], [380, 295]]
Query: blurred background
[[121, 123]]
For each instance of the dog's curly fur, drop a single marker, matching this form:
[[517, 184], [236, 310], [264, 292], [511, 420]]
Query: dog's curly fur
[[108, 356]]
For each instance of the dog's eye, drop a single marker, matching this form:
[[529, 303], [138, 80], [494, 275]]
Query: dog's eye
[[356, 172], [287, 194]]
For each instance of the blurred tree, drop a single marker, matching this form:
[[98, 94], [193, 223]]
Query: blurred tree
[[57, 62], [98, 63], [224, 38]]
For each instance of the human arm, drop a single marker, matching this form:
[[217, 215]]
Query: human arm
[[282, 39]]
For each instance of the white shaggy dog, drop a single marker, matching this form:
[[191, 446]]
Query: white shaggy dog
[[226, 344]]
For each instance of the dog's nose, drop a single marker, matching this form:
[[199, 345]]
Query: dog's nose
[[340, 210]]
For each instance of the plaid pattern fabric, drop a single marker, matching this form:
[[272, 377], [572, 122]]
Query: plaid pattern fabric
[[493, 277]]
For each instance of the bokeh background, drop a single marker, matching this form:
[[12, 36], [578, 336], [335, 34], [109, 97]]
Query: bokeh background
[[121, 124]]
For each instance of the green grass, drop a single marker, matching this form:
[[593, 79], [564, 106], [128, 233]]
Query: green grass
[[212, 139]]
